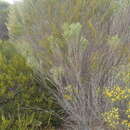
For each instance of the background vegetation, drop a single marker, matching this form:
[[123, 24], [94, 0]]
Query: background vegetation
[[64, 64]]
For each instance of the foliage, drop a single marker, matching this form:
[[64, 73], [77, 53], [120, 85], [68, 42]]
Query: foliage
[[23, 101], [77, 43], [4, 8]]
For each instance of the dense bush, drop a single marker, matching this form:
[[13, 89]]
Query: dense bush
[[24, 101]]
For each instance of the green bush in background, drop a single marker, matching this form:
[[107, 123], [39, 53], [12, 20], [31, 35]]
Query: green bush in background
[[24, 102]]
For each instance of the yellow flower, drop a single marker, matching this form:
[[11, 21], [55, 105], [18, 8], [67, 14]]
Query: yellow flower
[[128, 124], [124, 122], [112, 117], [128, 110], [116, 93]]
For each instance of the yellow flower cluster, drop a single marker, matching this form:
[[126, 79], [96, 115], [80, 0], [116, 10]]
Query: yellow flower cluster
[[116, 93], [128, 110], [112, 117], [126, 123]]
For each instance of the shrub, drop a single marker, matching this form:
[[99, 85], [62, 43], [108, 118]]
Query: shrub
[[21, 94]]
